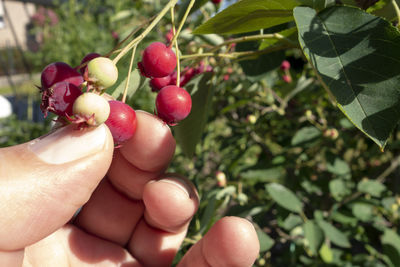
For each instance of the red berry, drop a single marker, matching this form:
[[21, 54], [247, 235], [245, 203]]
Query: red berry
[[287, 78], [87, 58], [158, 60], [173, 104], [216, 1], [60, 98], [60, 72], [157, 84], [285, 65], [121, 122]]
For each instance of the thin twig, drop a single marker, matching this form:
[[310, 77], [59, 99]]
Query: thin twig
[[128, 78]]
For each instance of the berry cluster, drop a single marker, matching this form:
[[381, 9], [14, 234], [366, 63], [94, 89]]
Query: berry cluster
[[75, 96], [173, 103]]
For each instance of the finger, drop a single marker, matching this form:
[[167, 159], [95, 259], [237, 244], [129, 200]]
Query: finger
[[44, 182], [170, 203], [70, 246], [152, 146], [111, 213], [231, 242]]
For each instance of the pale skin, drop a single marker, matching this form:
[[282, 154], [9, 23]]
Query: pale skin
[[133, 213]]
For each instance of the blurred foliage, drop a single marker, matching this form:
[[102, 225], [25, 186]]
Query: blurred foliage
[[318, 191]]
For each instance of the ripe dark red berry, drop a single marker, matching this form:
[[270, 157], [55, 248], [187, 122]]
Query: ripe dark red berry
[[87, 58], [60, 72], [60, 98], [157, 84], [216, 1], [173, 104], [121, 121], [158, 60]]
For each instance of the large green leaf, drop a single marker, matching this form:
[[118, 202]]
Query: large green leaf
[[249, 15], [136, 81], [391, 246], [358, 60], [189, 131], [284, 197], [313, 235], [336, 236]]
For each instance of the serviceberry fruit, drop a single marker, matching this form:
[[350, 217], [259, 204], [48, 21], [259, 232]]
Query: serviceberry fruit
[[121, 122], [157, 84], [60, 98], [173, 104], [158, 60], [91, 108], [216, 1], [87, 58], [101, 73], [285, 65], [59, 72]]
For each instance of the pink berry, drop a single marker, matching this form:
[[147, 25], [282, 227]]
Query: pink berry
[[158, 60], [285, 65], [157, 84], [60, 72], [87, 58], [287, 78], [173, 104], [121, 121], [60, 98]]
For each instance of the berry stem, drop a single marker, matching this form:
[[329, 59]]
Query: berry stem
[[129, 75], [237, 55], [254, 38], [146, 31], [183, 21], [397, 9], [178, 65]]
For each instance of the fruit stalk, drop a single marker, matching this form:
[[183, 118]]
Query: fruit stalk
[[178, 65], [129, 75], [125, 50]]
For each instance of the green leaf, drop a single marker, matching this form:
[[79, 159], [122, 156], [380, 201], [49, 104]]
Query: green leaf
[[374, 188], [291, 222], [189, 131], [313, 235], [391, 242], [248, 16], [136, 82], [326, 253], [263, 175], [338, 189], [184, 5], [305, 135], [336, 236], [363, 211], [358, 60], [338, 166], [256, 69], [266, 242], [284, 197]]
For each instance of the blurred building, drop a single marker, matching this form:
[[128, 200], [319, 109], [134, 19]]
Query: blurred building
[[14, 20]]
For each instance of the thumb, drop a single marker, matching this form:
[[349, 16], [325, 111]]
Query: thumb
[[45, 181]]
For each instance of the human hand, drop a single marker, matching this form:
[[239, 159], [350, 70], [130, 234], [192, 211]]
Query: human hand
[[136, 216]]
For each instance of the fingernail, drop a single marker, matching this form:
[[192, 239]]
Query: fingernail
[[179, 183], [68, 144]]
